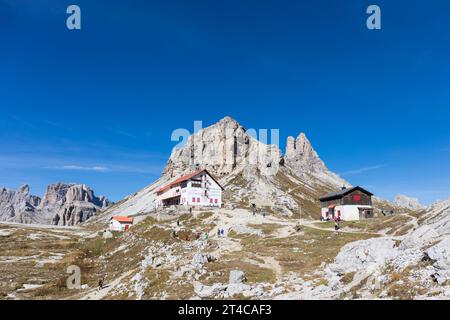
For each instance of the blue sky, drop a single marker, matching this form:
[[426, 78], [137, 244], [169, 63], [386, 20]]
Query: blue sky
[[98, 106]]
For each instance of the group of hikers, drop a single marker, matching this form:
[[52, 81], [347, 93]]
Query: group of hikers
[[220, 232], [254, 210], [337, 221]]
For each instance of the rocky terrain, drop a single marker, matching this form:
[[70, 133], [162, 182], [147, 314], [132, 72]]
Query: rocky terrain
[[63, 204], [402, 253]]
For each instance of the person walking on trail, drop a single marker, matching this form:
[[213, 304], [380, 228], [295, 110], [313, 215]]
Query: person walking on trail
[[264, 212], [222, 232], [218, 233], [190, 210], [100, 284], [254, 209], [178, 222], [336, 224]]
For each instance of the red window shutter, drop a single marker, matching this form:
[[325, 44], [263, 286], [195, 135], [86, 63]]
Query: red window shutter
[[357, 197], [193, 199], [211, 200], [198, 199], [216, 200]]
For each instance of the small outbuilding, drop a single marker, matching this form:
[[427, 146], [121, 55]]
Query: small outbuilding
[[119, 223], [347, 204]]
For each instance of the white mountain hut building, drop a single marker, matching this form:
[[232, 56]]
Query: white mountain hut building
[[348, 204], [198, 188], [119, 223]]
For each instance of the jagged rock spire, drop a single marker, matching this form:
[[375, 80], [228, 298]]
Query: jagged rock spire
[[301, 155]]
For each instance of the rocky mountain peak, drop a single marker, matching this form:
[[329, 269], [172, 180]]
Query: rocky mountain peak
[[63, 204], [221, 148], [408, 202], [301, 155], [24, 189], [55, 194]]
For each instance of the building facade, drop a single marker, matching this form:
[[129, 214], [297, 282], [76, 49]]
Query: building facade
[[347, 204], [199, 188], [118, 223]]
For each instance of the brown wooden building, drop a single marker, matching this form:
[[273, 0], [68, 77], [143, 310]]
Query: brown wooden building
[[347, 204]]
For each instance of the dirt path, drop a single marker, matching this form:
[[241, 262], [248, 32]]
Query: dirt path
[[312, 224], [95, 294]]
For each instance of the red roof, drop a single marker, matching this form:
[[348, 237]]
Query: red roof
[[123, 219], [184, 178]]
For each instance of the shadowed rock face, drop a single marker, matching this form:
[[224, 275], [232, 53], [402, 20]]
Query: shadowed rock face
[[63, 204]]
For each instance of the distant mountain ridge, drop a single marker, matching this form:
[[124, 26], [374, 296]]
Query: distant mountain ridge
[[63, 204]]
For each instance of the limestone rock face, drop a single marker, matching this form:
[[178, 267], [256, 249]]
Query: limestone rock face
[[72, 203], [63, 204], [306, 163], [223, 148], [301, 155], [408, 202], [18, 206]]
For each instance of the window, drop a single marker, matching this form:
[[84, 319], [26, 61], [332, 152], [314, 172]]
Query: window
[[198, 199], [216, 200], [357, 197], [193, 199], [211, 200]]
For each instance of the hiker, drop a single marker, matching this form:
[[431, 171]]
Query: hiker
[[178, 222], [336, 224], [222, 232], [100, 284], [264, 212], [218, 232], [254, 209], [190, 210]]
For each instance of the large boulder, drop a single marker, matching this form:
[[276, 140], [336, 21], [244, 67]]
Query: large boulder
[[199, 259], [236, 277], [364, 254], [239, 288], [208, 291], [440, 255], [107, 235], [419, 237]]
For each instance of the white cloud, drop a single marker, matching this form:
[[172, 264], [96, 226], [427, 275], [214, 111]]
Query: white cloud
[[83, 168], [364, 169]]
